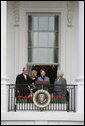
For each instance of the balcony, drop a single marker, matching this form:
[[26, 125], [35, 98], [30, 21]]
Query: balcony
[[63, 99]]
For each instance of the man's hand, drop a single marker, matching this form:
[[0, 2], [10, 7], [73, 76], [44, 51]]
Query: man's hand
[[17, 91], [28, 86], [34, 87]]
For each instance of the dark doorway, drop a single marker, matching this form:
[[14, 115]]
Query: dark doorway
[[50, 72]]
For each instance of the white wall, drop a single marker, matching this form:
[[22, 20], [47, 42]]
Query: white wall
[[13, 43], [41, 123], [10, 43], [71, 53], [42, 118]]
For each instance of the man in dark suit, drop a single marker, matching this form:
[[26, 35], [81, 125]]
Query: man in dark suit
[[23, 82]]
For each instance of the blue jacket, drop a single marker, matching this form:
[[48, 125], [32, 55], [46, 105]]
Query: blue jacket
[[41, 79]]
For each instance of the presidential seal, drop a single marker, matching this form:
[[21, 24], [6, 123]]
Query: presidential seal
[[41, 98]]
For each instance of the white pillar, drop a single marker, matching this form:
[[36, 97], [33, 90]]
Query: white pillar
[[4, 89], [80, 79], [81, 39], [3, 41]]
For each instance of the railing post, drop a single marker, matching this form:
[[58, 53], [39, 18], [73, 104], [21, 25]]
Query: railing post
[[15, 98], [8, 97], [67, 106], [67, 99], [74, 98]]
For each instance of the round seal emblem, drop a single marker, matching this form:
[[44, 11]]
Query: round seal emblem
[[41, 98]]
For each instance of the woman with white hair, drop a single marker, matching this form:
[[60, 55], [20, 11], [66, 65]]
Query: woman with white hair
[[60, 87], [60, 79], [60, 84]]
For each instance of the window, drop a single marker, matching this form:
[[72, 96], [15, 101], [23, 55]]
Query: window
[[43, 37], [43, 44]]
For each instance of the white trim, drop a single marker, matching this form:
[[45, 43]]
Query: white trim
[[62, 116], [43, 14], [80, 80], [4, 80], [34, 63], [57, 47]]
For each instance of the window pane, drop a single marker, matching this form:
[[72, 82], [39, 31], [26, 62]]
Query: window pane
[[43, 55], [29, 55], [35, 38], [30, 39], [43, 39], [51, 23], [52, 39], [35, 55], [29, 22], [56, 23], [51, 55], [43, 23], [35, 23], [56, 55], [56, 39]]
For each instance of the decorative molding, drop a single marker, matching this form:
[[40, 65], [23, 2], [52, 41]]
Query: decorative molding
[[4, 80], [16, 13], [80, 81], [70, 5], [3, 3]]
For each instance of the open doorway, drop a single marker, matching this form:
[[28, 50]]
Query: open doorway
[[50, 71]]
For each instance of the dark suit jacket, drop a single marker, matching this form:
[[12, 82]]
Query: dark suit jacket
[[60, 86], [21, 82]]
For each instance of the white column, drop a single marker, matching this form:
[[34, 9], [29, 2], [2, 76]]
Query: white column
[[81, 39], [80, 79], [3, 41], [4, 89], [16, 37]]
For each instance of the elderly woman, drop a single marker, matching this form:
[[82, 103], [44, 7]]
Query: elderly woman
[[60, 84], [60, 79], [60, 87]]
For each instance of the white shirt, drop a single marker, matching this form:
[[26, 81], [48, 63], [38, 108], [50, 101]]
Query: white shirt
[[58, 79], [25, 76]]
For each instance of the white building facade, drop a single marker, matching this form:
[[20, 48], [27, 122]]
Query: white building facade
[[14, 55]]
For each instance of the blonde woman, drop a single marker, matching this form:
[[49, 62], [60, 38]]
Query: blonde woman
[[33, 77]]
